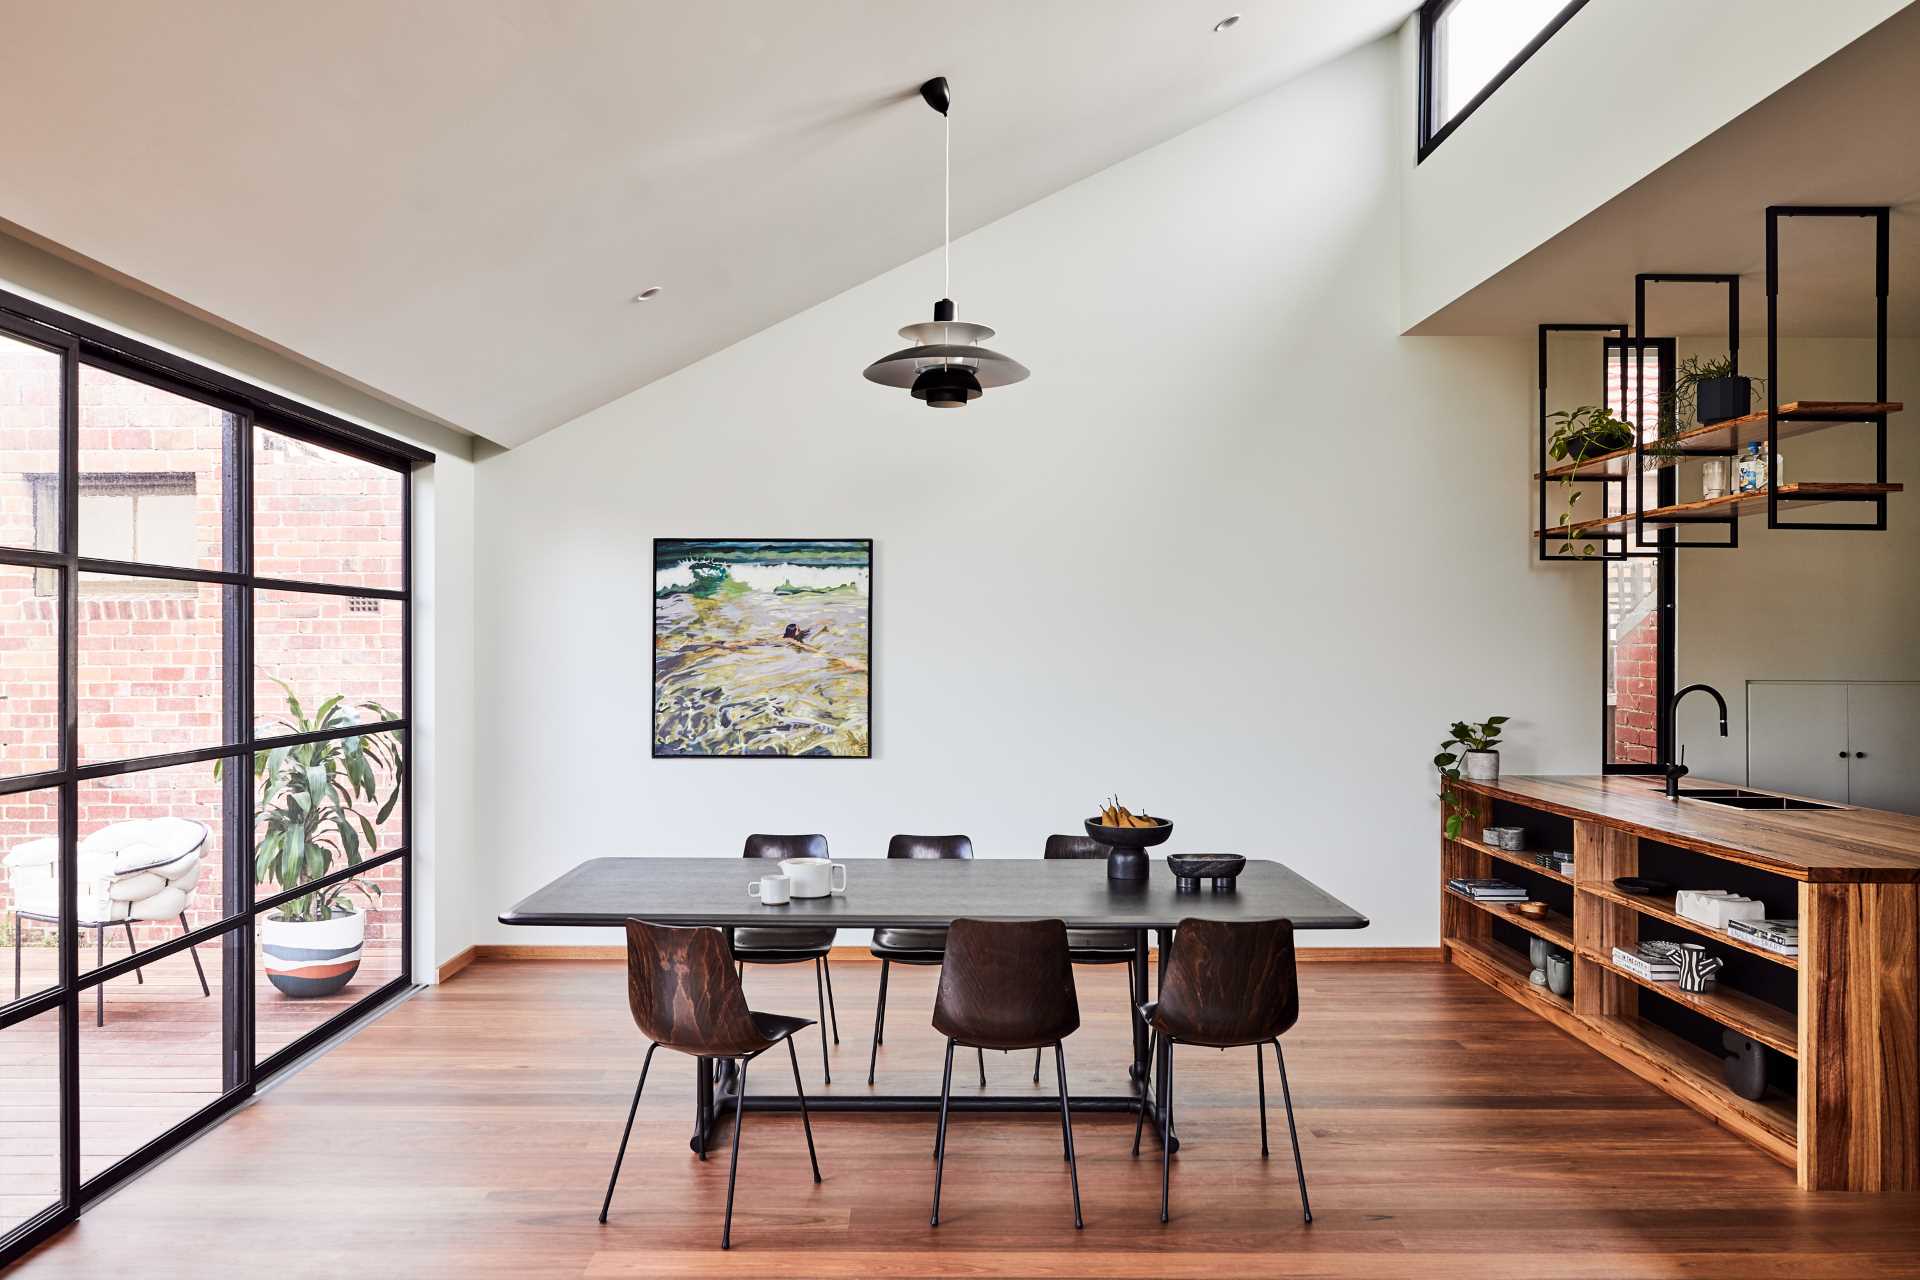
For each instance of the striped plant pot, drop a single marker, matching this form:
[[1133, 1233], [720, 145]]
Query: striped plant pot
[[313, 957]]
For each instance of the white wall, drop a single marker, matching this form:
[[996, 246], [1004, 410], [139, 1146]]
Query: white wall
[[1623, 88], [1237, 551], [443, 565]]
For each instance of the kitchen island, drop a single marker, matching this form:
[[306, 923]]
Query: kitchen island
[[1837, 1022]]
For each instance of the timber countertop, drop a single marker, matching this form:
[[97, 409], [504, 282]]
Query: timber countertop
[[1842, 843]]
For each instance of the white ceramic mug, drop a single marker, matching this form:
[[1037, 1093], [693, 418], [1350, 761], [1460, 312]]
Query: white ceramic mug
[[771, 890], [814, 877]]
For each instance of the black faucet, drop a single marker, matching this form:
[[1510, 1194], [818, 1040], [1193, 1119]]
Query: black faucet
[[1678, 769]]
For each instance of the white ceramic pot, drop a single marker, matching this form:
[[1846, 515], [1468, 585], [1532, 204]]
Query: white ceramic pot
[[312, 957], [1480, 766]]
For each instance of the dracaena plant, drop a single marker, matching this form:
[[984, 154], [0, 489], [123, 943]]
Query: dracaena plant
[[315, 799], [1484, 736]]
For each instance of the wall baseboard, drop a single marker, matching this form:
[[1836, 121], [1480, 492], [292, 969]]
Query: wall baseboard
[[860, 955]]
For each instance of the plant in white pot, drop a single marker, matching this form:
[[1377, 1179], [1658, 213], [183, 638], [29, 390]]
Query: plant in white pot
[[1478, 760], [313, 804]]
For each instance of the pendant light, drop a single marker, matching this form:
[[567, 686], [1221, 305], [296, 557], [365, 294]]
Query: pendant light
[[946, 366]]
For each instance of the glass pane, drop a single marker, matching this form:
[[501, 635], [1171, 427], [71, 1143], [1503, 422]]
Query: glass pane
[[309, 968], [29, 1118], [150, 473], [324, 517], [150, 852], [30, 850], [29, 670], [29, 445], [1474, 40], [309, 649], [151, 1054], [150, 664], [322, 806]]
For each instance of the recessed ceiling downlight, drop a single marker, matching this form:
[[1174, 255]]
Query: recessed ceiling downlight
[[647, 294], [1227, 23]]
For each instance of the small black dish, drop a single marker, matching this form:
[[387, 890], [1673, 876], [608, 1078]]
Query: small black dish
[[1642, 885], [1190, 869], [1126, 846]]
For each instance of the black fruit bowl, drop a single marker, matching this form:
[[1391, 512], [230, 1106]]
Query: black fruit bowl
[[1206, 866], [1130, 837]]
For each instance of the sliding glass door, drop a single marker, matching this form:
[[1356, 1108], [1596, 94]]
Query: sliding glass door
[[204, 749]]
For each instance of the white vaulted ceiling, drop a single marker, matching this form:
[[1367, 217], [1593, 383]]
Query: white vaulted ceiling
[[452, 202]]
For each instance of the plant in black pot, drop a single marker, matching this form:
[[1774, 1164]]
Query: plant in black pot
[[1710, 390], [1579, 435]]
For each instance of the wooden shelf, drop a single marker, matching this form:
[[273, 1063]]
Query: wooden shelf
[[1661, 908], [1769, 1024], [1770, 1122], [1738, 504], [1553, 926], [1519, 858], [1797, 418], [1507, 969]]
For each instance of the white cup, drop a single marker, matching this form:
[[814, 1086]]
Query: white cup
[[815, 877], [771, 890]]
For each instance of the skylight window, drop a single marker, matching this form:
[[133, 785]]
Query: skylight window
[[1467, 50]]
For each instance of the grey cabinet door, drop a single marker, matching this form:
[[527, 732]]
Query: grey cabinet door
[[1883, 736], [1797, 739]]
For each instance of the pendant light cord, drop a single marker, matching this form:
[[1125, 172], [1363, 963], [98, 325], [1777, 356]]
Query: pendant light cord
[[947, 250]]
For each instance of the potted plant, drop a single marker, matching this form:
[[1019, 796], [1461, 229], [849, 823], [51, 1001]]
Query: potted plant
[[1478, 760], [1578, 435], [1710, 391], [313, 807]]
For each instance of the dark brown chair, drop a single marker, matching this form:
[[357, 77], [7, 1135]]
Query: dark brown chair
[[793, 944], [1006, 985], [1091, 946], [1227, 986], [895, 944], [685, 995]]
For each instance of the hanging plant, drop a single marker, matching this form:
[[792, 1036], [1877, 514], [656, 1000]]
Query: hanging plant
[[1590, 431]]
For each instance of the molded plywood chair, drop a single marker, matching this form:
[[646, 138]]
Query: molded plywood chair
[[1091, 946], [793, 944], [685, 995], [1006, 985], [894, 944], [140, 870], [1227, 986]]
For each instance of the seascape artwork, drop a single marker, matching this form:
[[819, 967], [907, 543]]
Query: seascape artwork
[[762, 648]]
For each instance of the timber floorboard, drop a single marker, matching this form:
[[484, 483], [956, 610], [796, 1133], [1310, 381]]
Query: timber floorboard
[[1446, 1132]]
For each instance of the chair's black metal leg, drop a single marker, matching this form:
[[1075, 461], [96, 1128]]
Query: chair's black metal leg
[[16, 957], [826, 1068], [628, 1131], [1036, 1064], [195, 953], [805, 1122], [879, 1022], [826, 967], [733, 1167], [983, 1066], [940, 1136], [1140, 1115], [1299, 1169], [139, 970], [1260, 1073], [100, 992], [1166, 1120], [1066, 1128]]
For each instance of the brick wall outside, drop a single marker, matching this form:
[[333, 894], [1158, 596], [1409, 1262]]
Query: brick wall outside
[[1635, 710], [150, 651]]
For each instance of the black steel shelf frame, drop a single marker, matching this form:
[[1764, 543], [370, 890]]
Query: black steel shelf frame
[[1550, 538], [251, 409], [1668, 482], [1882, 219]]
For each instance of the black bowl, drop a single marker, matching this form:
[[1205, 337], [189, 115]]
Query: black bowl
[[1204, 866], [1130, 837], [1642, 885]]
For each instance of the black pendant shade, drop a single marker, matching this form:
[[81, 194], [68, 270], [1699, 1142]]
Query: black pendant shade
[[947, 367]]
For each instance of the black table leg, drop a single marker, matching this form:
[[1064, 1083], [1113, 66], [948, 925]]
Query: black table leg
[[702, 1105], [1170, 1136], [1137, 989]]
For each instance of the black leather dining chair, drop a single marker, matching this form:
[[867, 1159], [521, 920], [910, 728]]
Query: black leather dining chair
[[1228, 985], [1006, 985], [1091, 946], [895, 944], [685, 995], [793, 944]]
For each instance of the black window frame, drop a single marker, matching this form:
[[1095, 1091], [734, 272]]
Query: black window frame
[[1429, 135], [253, 409]]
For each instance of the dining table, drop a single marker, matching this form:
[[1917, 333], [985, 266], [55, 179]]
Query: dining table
[[712, 891]]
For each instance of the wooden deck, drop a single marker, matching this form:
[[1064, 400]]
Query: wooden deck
[[1447, 1133], [154, 1063]]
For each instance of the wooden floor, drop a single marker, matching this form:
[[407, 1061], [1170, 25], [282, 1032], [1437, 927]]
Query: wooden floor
[[1447, 1133]]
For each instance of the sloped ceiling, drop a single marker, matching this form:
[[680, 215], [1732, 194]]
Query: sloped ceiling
[[453, 202]]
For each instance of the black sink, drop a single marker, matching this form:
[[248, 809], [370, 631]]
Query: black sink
[[1735, 798]]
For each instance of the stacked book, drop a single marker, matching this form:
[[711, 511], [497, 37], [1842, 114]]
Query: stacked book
[[1782, 937], [1654, 964], [1493, 890]]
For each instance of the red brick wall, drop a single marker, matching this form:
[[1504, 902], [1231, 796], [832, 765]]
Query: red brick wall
[[151, 650], [1635, 709]]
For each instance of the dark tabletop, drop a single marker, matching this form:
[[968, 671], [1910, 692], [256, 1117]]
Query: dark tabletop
[[881, 891]]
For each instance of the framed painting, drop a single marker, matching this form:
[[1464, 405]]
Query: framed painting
[[763, 647]]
